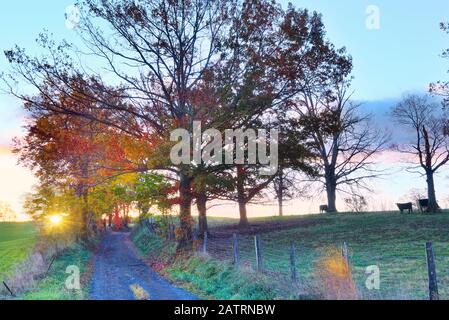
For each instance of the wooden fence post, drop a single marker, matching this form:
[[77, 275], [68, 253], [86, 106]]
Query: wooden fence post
[[433, 284], [345, 252], [51, 263], [258, 253], [9, 290], [235, 250], [205, 243], [293, 263]]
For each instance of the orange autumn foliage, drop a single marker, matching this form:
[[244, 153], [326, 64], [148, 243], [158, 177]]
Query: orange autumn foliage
[[117, 221]]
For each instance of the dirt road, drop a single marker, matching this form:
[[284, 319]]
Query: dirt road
[[117, 268]]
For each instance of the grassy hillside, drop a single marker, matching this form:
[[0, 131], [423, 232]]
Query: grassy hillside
[[393, 242], [16, 241]]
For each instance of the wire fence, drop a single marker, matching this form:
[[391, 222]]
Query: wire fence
[[404, 271]]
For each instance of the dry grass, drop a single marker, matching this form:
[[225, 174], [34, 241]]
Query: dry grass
[[139, 292], [334, 277], [26, 274]]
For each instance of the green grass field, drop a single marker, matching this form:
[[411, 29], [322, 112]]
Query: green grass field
[[393, 242], [16, 241], [52, 286]]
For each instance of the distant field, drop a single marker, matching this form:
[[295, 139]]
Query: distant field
[[16, 241], [393, 242]]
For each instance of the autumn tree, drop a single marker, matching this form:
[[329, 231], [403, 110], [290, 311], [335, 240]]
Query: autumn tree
[[158, 51], [46, 200], [160, 56], [428, 141], [151, 191], [66, 150], [267, 84], [59, 156]]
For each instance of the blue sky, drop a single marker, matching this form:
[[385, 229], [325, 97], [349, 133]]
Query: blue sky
[[403, 55]]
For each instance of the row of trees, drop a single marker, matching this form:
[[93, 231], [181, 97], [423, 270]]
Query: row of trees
[[102, 114]]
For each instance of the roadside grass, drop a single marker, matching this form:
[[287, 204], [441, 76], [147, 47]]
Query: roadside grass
[[157, 249], [204, 276], [209, 277], [25, 257], [53, 284], [16, 242]]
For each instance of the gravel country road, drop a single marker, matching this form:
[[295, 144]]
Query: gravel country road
[[117, 267]]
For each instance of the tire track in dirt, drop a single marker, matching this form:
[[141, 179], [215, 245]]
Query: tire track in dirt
[[117, 268]]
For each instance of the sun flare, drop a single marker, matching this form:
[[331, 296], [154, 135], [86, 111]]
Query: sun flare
[[55, 219]]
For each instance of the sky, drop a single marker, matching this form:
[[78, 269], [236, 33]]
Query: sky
[[400, 54]]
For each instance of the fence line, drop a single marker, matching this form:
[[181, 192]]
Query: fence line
[[253, 251]]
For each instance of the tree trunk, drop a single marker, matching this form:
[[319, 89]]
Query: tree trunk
[[85, 219], [243, 214], [331, 190], [241, 197], [281, 206], [185, 210], [433, 204], [201, 202], [126, 215], [83, 193], [110, 220], [280, 192]]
